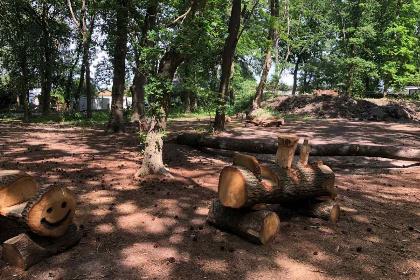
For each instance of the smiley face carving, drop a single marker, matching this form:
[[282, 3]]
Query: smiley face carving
[[51, 212]]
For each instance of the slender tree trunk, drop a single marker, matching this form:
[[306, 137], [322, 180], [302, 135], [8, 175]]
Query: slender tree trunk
[[187, 102], [140, 72], [295, 72], [274, 8], [88, 85], [153, 161], [46, 75], [116, 120], [227, 60], [80, 87], [25, 86]]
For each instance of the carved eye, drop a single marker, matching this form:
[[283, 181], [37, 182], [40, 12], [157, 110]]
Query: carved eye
[[63, 205], [49, 210]]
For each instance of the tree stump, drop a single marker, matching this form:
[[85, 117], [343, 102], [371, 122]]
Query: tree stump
[[304, 152], [48, 213], [286, 148], [27, 249], [15, 187], [256, 226]]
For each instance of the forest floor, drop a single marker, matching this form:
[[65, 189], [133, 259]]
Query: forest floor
[[155, 228]]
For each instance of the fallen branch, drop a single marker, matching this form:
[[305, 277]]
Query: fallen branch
[[264, 146]]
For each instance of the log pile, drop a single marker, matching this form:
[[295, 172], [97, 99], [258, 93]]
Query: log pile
[[47, 213], [246, 187]]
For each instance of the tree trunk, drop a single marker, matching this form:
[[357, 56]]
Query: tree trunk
[[187, 102], [227, 60], [140, 72], [88, 85], [152, 161], [46, 76], [27, 249], [116, 119], [259, 227], [137, 91], [25, 85], [274, 8], [295, 72], [80, 87]]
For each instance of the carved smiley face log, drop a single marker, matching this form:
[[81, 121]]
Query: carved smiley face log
[[51, 211]]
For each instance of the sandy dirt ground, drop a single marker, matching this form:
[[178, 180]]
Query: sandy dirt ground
[[155, 228]]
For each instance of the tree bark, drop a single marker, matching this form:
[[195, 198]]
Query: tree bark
[[227, 60], [152, 161], [140, 71], [25, 84], [238, 187], [116, 119], [295, 72], [327, 210], [259, 227], [274, 9]]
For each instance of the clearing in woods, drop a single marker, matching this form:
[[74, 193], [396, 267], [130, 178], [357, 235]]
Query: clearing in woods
[[155, 228]]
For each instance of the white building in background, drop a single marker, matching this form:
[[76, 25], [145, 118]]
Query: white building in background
[[103, 101], [412, 89], [34, 96]]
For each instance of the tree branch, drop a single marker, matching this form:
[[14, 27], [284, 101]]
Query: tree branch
[[246, 21], [73, 16], [179, 18]]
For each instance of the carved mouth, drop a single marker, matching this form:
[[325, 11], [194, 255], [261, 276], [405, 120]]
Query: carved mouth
[[49, 225]]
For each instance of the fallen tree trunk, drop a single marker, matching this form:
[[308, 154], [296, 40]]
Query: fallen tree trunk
[[27, 249], [260, 146], [267, 123], [239, 188], [256, 226]]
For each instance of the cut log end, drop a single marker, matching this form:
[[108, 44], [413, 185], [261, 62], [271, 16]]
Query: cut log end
[[50, 212], [15, 187], [249, 162], [269, 228], [232, 187]]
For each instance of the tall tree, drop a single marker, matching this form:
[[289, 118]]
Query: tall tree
[[116, 118], [160, 86], [87, 11], [227, 60], [142, 68], [272, 41]]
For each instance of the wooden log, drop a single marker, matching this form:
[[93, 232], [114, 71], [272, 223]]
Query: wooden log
[[239, 188], [249, 162], [286, 148], [15, 187], [326, 210], [262, 146], [256, 226], [266, 123], [304, 152], [27, 249], [49, 213]]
